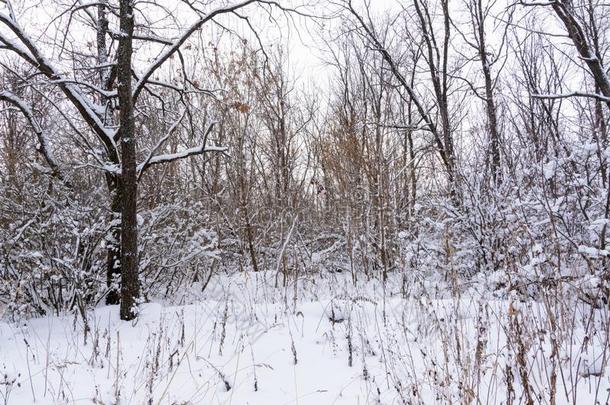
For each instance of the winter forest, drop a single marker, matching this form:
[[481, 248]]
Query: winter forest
[[304, 202]]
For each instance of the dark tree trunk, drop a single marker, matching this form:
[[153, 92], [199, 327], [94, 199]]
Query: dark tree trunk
[[437, 60], [113, 250], [113, 254], [130, 285], [492, 117], [576, 32]]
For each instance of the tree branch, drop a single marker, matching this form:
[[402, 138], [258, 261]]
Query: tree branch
[[43, 143], [573, 94], [33, 56], [198, 150], [173, 48]]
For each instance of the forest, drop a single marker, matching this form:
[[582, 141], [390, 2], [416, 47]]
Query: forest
[[304, 202]]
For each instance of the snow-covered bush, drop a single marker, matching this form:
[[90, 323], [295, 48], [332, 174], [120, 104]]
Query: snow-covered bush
[[177, 248], [51, 246]]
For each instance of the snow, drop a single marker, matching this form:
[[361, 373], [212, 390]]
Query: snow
[[197, 150], [244, 341], [592, 363], [549, 169], [592, 252]]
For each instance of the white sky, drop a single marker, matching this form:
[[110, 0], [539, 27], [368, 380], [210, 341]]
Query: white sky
[[304, 38]]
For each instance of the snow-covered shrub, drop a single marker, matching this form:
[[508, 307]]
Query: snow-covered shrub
[[177, 248], [51, 247]]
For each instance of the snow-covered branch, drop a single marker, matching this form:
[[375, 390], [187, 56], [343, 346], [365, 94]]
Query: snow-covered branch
[[536, 3], [27, 50], [97, 89], [160, 143], [573, 94], [43, 143], [166, 158]]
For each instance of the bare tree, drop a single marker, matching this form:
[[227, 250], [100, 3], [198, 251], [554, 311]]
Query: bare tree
[[95, 104], [436, 56], [480, 13]]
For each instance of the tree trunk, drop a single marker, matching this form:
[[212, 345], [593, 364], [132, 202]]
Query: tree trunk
[[113, 250], [438, 60], [576, 32], [113, 253], [492, 117], [130, 285]]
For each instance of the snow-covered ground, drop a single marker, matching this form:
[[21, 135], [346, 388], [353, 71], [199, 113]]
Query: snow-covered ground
[[245, 341]]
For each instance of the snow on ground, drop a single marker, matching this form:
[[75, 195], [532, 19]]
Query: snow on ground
[[245, 341]]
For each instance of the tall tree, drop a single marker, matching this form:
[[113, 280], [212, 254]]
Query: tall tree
[[116, 153]]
